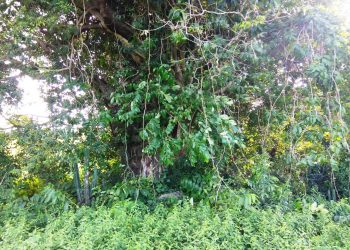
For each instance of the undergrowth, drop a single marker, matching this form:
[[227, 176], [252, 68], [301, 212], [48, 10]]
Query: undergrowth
[[184, 224]]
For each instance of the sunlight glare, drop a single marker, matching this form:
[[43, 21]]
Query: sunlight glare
[[342, 9], [32, 103]]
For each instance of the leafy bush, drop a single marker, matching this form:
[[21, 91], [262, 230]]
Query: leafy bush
[[130, 225]]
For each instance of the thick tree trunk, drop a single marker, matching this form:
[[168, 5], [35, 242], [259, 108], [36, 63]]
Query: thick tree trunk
[[150, 167], [105, 12], [142, 164]]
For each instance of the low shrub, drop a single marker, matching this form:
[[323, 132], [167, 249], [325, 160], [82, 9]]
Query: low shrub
[[131, 225]]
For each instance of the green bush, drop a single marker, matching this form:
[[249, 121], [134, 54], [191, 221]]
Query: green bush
[[130, 225]]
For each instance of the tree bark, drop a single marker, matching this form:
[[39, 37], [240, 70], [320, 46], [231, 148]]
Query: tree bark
[[86, 178], [87, 187], [77, 182]]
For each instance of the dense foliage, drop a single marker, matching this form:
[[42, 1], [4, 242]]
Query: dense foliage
[[42, 224], [128, 226], [176, 124]]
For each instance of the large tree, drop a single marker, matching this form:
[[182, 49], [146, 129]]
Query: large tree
[[193, 79]]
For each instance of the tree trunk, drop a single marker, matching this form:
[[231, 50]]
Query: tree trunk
[[86, 187], [86, 178], [142, 164], [77, 182]]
